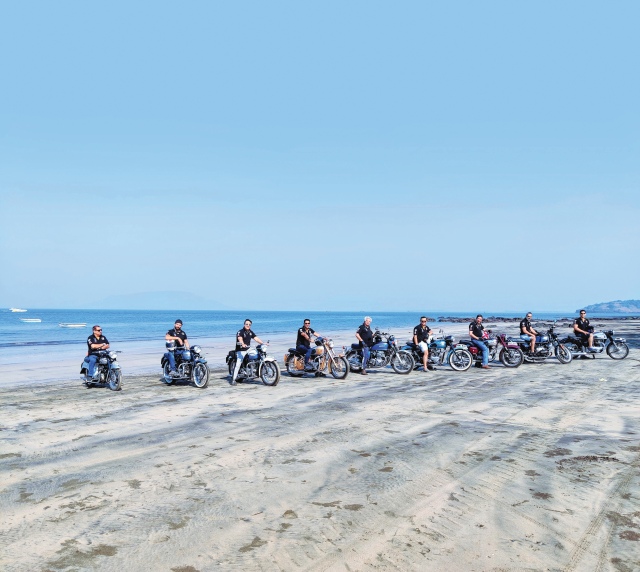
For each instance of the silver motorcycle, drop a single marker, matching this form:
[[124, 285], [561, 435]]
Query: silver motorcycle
[[107, 371], [256, 364]]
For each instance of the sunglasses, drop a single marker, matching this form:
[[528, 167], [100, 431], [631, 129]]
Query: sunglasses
[[98, 330]]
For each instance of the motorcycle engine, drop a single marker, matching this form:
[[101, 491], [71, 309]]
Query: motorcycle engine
[[377, 359], [184, 370]]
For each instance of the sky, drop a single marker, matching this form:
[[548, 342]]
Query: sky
[[462, 156]]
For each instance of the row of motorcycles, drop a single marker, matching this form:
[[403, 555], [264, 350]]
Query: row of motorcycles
[[191, 364]]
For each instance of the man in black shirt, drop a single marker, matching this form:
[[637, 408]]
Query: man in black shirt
[[421, 339], [365, 336], [583, 330], [303, 341], [95, 343], [243, 341], [476, 331], [179, 337], [527, 333]]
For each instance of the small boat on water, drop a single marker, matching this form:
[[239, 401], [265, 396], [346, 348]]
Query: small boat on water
[[65, 325], [30, 320], [16, 310]]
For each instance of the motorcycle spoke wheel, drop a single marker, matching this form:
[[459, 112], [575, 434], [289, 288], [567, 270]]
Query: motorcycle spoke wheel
[[339, 367], [114, 380], [165, 374], [402, 362], [355, 361], [200, 375], [563, 354], [460, 360], [292, 366], [617, 350], [270, 374], [511, 357]]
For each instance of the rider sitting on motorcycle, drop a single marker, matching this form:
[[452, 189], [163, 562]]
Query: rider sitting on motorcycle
[[527, 333], [476, 331], [421, 339], [95, 343], [178, 336], [243, 341], [303, 343], [365, 336], [582, 329]]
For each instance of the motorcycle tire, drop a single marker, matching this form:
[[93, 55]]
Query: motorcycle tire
[[165, 374], [232, 366], [114, 380], [617, 350], [511, 357], [460, 360], [270, 373], [200, 375], [339, 367], [292, 370], [355, 361], [563, 353], [403, 362]]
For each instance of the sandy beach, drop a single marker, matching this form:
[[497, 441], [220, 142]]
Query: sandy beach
[[534, 468]]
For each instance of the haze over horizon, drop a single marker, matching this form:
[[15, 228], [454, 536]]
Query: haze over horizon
[[338, 156]]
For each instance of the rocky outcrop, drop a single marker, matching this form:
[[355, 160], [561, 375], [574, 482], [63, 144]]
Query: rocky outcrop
[[615, 307]]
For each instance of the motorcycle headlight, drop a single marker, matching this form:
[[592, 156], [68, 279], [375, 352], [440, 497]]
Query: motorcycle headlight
[[113, 355], [196, 350], [103, 360], [330, 343]]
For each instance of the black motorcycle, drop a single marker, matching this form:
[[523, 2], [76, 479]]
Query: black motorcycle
[[616, 348], [547, 345], [191, 365], [442, 350], [107, 371], [384, 352]]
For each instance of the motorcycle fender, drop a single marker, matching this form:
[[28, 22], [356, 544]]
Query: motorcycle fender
[[201, 360], [270, 359], [115, 365]]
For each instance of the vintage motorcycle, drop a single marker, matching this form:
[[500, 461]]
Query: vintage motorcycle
[[616, 348], [500, 348], [191, 365], [256, 363], [547, 345], [384, 352], [442, 349], [322, 358], [107, 370]]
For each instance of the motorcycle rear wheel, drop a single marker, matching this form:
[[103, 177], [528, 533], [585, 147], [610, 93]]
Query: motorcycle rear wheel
[[617, 350], [200, 375], [402, 362], [232, 365], [355, 361], [460, 360], [339, 367], [511, 357], [563, 353], [114, 380], [165, 374], [292, 370], [270, 373]]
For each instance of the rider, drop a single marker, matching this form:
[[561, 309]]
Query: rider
[[582, 329], [365, 337], [179, 336], [476, 331], [243, 341], [421, 339], [303, 342], [95, 343], [527, 333]]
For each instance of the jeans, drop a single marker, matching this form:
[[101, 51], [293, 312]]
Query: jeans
[[91, 360], [308, 351], [484, 349], [365, 356], [239, 359], [171, 357]]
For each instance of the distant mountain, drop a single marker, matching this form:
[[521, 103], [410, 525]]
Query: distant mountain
[[169, 300], [615, 307]]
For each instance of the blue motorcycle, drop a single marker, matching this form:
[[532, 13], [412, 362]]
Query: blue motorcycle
[[384, 352], [191, 365]]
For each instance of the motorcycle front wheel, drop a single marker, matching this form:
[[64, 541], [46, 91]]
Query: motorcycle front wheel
[[200, 375], [460, 360], [165, 374], [563, 353], [270, 373], [511, 357], [617, 350], [114, 380], [339, 367], [402, 362]]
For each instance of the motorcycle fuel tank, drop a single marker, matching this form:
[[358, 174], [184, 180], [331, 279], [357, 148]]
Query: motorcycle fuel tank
[[380, 347], [438, 344], [252, 355]]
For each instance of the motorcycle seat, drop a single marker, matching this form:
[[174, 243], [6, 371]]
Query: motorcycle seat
[[466, 342], [355, 346]]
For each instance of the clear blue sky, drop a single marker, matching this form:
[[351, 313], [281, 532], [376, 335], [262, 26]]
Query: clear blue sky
[[321, 155]]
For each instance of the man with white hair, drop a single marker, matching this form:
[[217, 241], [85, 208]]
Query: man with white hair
[[365, 337]]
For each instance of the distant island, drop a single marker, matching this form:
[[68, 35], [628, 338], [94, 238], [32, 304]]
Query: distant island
[[617, 307]]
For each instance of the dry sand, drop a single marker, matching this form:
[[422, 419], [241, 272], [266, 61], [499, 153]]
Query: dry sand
[[536, 468]]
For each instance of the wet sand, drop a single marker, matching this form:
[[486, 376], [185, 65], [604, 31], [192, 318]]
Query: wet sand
[[536, 468]]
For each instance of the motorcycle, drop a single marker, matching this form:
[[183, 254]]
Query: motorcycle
[[442, 350], [256, 363], [500, 348], [384, 352], [322, 358], [547, 345], [191, 365], [107, 370], [616, 348]]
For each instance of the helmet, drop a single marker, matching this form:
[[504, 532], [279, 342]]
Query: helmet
[[171, 345]]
